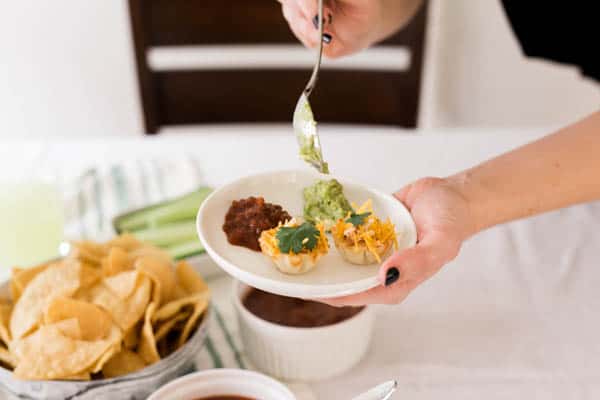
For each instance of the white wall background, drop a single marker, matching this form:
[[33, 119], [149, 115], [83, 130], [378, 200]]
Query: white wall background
[[480, 78], [66, 68]]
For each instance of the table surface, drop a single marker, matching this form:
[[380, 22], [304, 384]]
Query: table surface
[[514, 316]]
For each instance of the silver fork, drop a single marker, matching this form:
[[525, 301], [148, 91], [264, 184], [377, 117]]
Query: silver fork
[[305, 126]]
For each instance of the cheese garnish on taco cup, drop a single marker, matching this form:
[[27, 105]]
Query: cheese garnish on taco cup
[[294, 247], [362, 238]]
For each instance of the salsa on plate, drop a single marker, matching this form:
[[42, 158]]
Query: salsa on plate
[[247, 218]]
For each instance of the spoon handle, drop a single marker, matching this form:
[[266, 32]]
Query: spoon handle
[[379, 392], [313, 78]]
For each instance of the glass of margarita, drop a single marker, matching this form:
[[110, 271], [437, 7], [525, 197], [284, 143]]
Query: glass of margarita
[[31, 222]]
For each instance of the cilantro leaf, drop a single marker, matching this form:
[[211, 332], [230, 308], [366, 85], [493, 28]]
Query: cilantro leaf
[[358, 219], [294, 239]]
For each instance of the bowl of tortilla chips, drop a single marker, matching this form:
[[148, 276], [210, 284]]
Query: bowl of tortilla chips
[[116, 318]]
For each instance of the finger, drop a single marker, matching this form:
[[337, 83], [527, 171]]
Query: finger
[[418, 263], [335, 47], [310, 10], [409, 193], [392, 294], [299, 25], [359, 299]]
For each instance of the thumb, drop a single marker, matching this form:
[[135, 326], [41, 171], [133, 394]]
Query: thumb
[[409, 193], [402, 194]]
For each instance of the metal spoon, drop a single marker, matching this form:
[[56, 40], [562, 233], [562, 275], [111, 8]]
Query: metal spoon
[[379, 392], [305, 127]]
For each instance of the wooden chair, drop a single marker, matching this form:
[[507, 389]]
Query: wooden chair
[[181, 97]]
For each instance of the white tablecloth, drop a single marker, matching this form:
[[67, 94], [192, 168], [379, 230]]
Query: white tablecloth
[[515, 316]]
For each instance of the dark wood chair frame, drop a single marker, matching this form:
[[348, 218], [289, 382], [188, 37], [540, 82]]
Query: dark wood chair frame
[[181, 97]]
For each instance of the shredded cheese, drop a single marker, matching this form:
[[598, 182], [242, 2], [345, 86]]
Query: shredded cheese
[[373, 235], [270, 246]]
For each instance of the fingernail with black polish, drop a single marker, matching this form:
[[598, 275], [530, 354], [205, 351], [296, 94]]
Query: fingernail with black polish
[[391, 276], [315, 21], [327, 38]]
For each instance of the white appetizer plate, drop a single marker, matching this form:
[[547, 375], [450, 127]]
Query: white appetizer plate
[[333, 276]]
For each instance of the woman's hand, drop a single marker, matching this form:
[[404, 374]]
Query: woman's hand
[[443, 219], [556, 171], [352, 25]]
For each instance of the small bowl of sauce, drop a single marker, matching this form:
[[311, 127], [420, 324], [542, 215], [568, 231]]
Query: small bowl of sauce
[[224, 384], [293, 312], [300, 340]]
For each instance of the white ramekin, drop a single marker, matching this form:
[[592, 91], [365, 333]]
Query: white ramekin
[[302, 354], [221, 382]]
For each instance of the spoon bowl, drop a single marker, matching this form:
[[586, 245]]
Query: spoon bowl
[[305, 126]]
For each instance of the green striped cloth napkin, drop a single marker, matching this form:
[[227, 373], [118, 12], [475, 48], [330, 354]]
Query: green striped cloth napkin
[[102, 192], [223, 348]]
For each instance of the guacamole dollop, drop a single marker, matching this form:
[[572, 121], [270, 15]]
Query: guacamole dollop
[[310, 154], [305, 129], [325, 202]]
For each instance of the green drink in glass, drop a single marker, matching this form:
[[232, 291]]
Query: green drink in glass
[[31, 223]]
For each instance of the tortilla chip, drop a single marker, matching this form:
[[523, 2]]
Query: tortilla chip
[[83, 376], [7, 358], [152, 252], [147, 348], [21, 278], [5, 310], [108, 354], [124, 312], [161, 274], [88, 276], [179, 292], [70, 328], [89, 252], [94, 322], [123, 284], [49, 354], [132, 337], [15, 289], [117, 261], [163, 329], [97, 249], [56, 280], [168, 310], [189, 279], [123, 363], [199, 309], [126, 241]]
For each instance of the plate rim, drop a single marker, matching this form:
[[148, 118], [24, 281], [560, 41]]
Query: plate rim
[[286, 288]]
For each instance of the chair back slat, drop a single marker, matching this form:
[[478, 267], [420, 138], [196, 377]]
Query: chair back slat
[[264, 96], [184, 96]]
